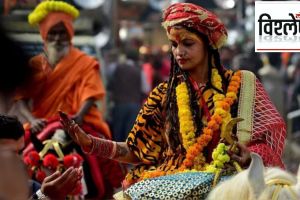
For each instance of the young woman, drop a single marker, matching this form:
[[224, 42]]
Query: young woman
[[184, 119]]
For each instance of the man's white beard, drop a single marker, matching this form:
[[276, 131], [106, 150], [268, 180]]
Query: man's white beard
[[56, 51]]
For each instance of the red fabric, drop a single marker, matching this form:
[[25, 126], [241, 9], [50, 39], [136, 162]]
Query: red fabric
[[269, 131], [197, 18], [52, 19]]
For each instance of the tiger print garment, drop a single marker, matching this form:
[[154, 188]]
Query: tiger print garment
[[146, 140]]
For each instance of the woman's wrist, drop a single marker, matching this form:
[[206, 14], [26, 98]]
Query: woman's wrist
[[89, 146], [101, 147]]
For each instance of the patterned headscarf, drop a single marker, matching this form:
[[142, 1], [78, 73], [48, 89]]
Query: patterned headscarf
[[198, 18]]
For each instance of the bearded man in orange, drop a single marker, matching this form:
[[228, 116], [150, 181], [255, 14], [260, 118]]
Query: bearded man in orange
[[66, 79]]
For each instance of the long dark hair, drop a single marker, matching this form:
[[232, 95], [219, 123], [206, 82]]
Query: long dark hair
[[177, 75]]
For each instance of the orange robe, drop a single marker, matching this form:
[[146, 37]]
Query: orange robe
[[66, 87]]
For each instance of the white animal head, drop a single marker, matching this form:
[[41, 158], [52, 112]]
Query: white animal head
[[259, 183]]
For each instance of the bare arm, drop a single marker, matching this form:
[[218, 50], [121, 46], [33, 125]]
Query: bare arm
[[37, 125], [87, 104], [123, 154], [24, 110]]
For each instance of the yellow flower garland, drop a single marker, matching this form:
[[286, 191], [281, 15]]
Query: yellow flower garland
[[187, 128], [220, 157], [216, 79], [42, 10]]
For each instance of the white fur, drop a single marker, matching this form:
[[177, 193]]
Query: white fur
[[250, 184]]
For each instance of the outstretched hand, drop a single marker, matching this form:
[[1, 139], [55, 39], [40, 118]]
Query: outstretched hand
[[37, 125], [58, 186], [75, 132], [242, 156], [78, 119]]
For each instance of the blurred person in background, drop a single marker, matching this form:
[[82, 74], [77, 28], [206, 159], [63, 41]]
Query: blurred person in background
[[147, 67], [226, 56], [126, 91], [250, 60], [111, 63], [158, 67], [166, 64], [155, 68], [65, 78], [295, 95], [272, 78]]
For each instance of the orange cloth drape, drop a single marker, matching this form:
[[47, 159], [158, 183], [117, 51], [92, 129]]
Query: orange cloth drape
[[75, 79]]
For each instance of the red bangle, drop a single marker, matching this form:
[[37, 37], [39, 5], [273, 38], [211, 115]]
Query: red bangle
[[102, 147]]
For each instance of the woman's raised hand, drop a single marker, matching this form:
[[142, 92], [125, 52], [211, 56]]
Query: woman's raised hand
[[242, 156], [75, 132]]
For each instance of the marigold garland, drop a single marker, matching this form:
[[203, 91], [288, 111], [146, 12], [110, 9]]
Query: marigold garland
[[194, 159], [216, 79], [43, 9], [220, 157], [186, 128], [218, 119]]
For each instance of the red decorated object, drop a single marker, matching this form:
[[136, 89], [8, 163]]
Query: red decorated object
[[38, 167], [50, 161], [33, 158], [114, 172], [72, 160], [40, 175], [27, 160]]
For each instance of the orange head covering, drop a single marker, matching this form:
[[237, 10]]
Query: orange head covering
[[197, 18], [54, 18], [49, 13]]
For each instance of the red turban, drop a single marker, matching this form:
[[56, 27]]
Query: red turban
[[54, 18], [198, 18]]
